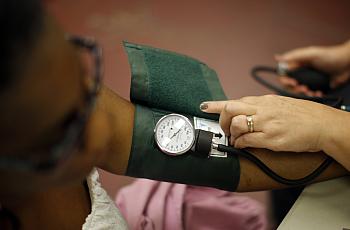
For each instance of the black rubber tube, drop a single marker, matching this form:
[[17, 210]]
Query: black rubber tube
[[302, 181]]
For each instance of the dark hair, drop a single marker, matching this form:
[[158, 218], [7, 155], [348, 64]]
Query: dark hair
[[20, 23], [8, 220]]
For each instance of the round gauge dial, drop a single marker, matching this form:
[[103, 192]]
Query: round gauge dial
[[174, 134]]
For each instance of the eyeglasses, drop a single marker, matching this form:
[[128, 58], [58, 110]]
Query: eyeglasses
[[75, 128]]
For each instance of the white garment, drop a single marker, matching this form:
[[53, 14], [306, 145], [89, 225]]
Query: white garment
[[104, 214]]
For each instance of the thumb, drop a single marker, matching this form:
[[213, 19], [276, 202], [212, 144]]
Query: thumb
[[300, 55], [212, 106]]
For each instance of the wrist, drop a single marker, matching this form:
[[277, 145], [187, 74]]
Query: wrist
[[335, 136], [331, 128], [346, 48]]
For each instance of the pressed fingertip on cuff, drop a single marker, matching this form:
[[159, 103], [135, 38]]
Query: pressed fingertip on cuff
[[203, 106]]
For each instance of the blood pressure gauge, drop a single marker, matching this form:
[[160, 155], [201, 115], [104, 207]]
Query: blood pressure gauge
[[174, 134]]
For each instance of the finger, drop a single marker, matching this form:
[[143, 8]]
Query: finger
[[340, 79], [300, 55], [239, 126], [318, 93], [287, 65], [301, 89], [310, 93], [287, 81], [213, 106], [252, 140], [232, 109], [278, 57], [234, 106]]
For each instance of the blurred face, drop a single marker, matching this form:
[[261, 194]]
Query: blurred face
[[51, 83]]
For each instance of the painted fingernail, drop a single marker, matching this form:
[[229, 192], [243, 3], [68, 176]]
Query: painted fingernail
[[203, 106]]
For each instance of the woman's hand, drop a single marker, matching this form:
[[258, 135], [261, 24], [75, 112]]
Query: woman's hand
[[334, 60], [280, 123]]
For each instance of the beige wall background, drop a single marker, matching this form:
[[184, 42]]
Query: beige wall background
[[231, 36]]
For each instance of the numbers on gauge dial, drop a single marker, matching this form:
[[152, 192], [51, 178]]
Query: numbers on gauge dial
[[175, 134]]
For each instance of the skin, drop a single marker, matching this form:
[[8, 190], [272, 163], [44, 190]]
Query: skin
[[284, 125], [31, 117]]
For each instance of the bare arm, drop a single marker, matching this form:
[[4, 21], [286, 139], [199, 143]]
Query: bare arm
[[120, 113], [288, 165]]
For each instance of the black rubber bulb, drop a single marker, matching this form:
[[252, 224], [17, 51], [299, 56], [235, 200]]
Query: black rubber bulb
[[312, 78]]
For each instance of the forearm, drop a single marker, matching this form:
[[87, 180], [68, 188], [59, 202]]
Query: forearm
[[288, 165]]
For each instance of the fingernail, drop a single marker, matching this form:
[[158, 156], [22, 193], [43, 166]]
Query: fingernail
[[203, 106]]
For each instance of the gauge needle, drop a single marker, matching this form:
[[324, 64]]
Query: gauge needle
[[167, 140], [178, 137], [178, 125], [175, 134]]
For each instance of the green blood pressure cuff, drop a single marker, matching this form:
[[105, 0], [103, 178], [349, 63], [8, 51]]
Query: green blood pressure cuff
[[164, 82]]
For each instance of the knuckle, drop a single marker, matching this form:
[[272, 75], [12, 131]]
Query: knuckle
[[235, 133], [235, 123], [223, 126], [248, 99], [226, 108]]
